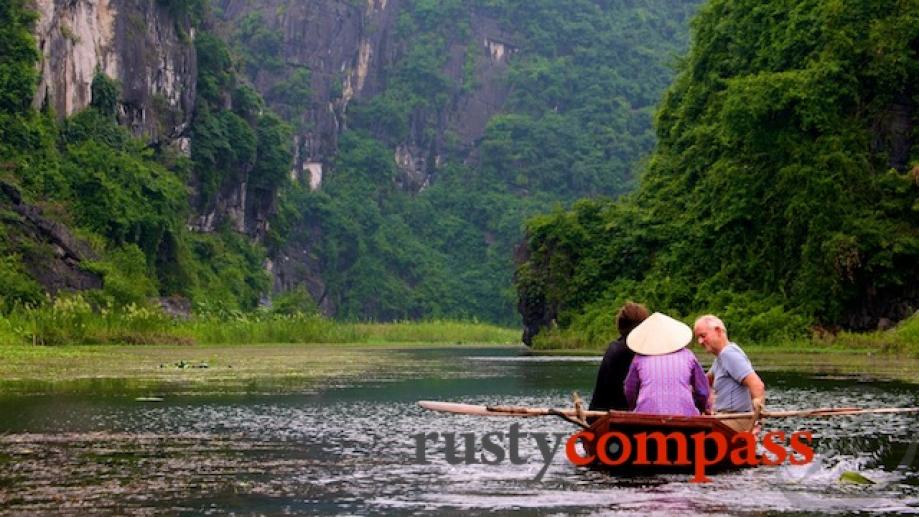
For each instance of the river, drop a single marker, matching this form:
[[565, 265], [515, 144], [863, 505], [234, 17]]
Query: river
[[347, 446]]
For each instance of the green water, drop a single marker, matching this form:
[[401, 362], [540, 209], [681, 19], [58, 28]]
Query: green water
[[346, 446]]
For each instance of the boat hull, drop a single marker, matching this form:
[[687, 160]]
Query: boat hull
[[673, 449]]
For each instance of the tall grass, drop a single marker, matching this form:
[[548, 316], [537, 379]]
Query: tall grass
[[435, 331], [7, 335], [296, 328], [904, 338], [71, 320], [569, 339]]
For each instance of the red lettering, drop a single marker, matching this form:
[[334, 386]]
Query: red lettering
[[775, 448], [737, 456], [742, 449], [700, 459], [805, 450], [572, 452], [603, 453], [641, 448]]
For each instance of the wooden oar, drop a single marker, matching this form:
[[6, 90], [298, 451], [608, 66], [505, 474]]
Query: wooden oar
[[829, 411], [521, 411]]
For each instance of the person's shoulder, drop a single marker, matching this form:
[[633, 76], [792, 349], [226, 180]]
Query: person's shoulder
[[734, 354], [686, 352], [689, 354], [734, 350], [619, 347], [616, 349]]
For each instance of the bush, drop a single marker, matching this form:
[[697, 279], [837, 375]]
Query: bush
[[229, 273], [295, 301], [104, 94], [126, 277], [16, 287], [18, 75]]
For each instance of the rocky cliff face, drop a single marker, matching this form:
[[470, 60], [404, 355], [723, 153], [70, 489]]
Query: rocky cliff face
[[151, 54], [51, 253], [348, 48], [139, 44], [328, 38]]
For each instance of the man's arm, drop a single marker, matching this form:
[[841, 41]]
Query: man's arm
[[755, 385], [710, 375], [757, 391]]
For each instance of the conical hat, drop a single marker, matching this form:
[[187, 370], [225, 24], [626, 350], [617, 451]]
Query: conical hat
[[659, 334]]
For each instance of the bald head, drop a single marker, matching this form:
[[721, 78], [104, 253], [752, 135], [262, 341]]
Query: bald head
[[711, 321], [711, 333]]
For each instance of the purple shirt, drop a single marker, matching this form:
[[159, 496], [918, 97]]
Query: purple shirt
[[670, 384]]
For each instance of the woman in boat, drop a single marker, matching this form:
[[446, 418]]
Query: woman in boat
[[665, 378], [608, 392]]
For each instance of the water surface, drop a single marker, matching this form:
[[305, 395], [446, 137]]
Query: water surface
[[347, 447]]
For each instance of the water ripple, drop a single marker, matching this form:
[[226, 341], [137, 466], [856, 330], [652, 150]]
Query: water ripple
[[350, 450]]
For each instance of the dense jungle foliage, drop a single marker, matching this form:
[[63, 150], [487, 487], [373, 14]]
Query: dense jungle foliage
[[584, 83], [128, 201], [782, 193]]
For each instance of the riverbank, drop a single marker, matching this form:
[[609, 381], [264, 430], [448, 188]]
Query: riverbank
[[141, 350], [73, 321], [157, 369]]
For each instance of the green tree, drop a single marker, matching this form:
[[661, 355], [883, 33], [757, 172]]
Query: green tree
[[104, 94], [778, 193], [18, 75]]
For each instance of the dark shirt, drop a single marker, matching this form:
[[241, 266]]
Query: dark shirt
[[609, 392]]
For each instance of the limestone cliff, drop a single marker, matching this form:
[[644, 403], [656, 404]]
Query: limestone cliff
[[140, 44], [348, 48], [150, 52]]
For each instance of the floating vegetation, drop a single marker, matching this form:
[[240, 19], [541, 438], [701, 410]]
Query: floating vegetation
[[189, 364], [854, 478]]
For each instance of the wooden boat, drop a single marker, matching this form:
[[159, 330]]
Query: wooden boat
[[669, 432], [649, 433]]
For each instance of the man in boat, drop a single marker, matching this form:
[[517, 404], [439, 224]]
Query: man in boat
[[737, 387], [665, 378], [608, 393]]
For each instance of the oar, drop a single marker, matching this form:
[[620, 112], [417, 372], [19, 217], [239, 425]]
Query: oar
[[828, 411], [470, 409], [521, 411]]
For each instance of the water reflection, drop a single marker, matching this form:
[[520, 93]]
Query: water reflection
[[348, 449]]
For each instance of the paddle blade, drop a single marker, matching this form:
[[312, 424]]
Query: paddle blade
[[462, 409]]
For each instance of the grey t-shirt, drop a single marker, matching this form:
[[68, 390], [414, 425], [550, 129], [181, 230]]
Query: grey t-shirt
[[729, 369]]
